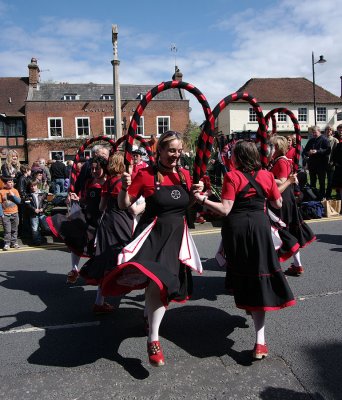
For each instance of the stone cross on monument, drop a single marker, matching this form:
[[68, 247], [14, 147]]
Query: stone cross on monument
[[116, 84]]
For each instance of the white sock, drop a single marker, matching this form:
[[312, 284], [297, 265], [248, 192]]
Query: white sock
[[259, 325], [99, 298], [155, 311], [75, 260], [296, 259]]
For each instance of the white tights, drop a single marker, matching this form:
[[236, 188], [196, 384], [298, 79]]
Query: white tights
[[155, 310], [296, 259], [259, 325]]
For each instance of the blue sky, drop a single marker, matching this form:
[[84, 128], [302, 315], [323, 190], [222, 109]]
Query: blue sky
[[220, 43]]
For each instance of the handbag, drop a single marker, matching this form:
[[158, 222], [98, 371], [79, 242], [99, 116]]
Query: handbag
[[332, 208]]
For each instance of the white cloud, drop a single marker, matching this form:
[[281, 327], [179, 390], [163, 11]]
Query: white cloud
[[272, 42]]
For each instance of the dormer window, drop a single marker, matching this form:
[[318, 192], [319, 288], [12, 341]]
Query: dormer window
[[71, 96], [107, 97]]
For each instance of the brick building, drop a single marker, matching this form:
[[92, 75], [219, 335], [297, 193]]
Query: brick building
[[13, 94], [61, 116]]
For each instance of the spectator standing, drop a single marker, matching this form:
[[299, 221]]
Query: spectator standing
[[9, 200], [317, 152], [46, 170], [59, 173], [36, 201], [38, 174], [329, 133], [23, 189], [11, 166]]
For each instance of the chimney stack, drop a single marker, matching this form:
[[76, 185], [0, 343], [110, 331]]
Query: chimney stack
[[33, 73]]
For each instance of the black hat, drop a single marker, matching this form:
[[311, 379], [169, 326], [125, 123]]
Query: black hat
[[137, 151]]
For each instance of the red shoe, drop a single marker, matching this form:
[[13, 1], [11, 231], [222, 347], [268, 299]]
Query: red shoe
[[294, 271], [200, 220], [155, 354], [105, 308], [72, 276], [260, 351]]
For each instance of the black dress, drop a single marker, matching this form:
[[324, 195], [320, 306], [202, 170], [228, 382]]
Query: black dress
[[162, 249], [115, 230], [257, 279], [77, 229], [297, 233]]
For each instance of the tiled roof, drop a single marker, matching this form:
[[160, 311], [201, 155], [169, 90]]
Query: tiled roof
[[13, 94], [287, 90], [93, 91]]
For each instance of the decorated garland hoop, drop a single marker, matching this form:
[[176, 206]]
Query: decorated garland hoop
[[295, 122], [147, 98], [262, 131]]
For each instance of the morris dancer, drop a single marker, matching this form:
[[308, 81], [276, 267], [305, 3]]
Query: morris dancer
[[258, 281], [161, 256], [289, 212]]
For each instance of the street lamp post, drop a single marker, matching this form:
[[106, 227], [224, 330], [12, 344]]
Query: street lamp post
[[320, 61]]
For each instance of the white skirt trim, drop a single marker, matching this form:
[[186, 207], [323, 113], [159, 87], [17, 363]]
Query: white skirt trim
[[133, 247], [188, 253]]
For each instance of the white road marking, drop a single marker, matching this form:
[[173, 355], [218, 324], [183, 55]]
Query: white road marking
[[52, 327]]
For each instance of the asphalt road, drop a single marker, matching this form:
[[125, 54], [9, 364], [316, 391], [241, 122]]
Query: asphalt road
[[52, 347]]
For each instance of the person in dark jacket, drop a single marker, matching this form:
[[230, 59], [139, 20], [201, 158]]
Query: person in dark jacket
[[316, 153], [59, 173], [23, 189], [35, 203]]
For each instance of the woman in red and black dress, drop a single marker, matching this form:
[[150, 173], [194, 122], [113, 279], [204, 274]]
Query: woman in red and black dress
[[259, 285], [115, 229], [297, 233], [162, 254], [78, 228]]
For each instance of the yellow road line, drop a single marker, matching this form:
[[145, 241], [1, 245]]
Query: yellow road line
[[58, 246]]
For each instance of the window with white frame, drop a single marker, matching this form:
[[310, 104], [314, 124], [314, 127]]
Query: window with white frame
[[282, 117], [109, 127], [53, 154], [55, 127], [71, 96], [302, 114], [321, 114], [82, 126], [107, 97], [163, 124], [140, 127], [252, 115]]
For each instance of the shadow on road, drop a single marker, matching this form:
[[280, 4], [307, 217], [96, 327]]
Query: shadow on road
[[326, 361], [201, 331], [286, 394], [331, 239]]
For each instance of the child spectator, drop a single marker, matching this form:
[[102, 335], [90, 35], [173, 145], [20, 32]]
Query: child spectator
[[9, 200], [36, 201], [38, 175]]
